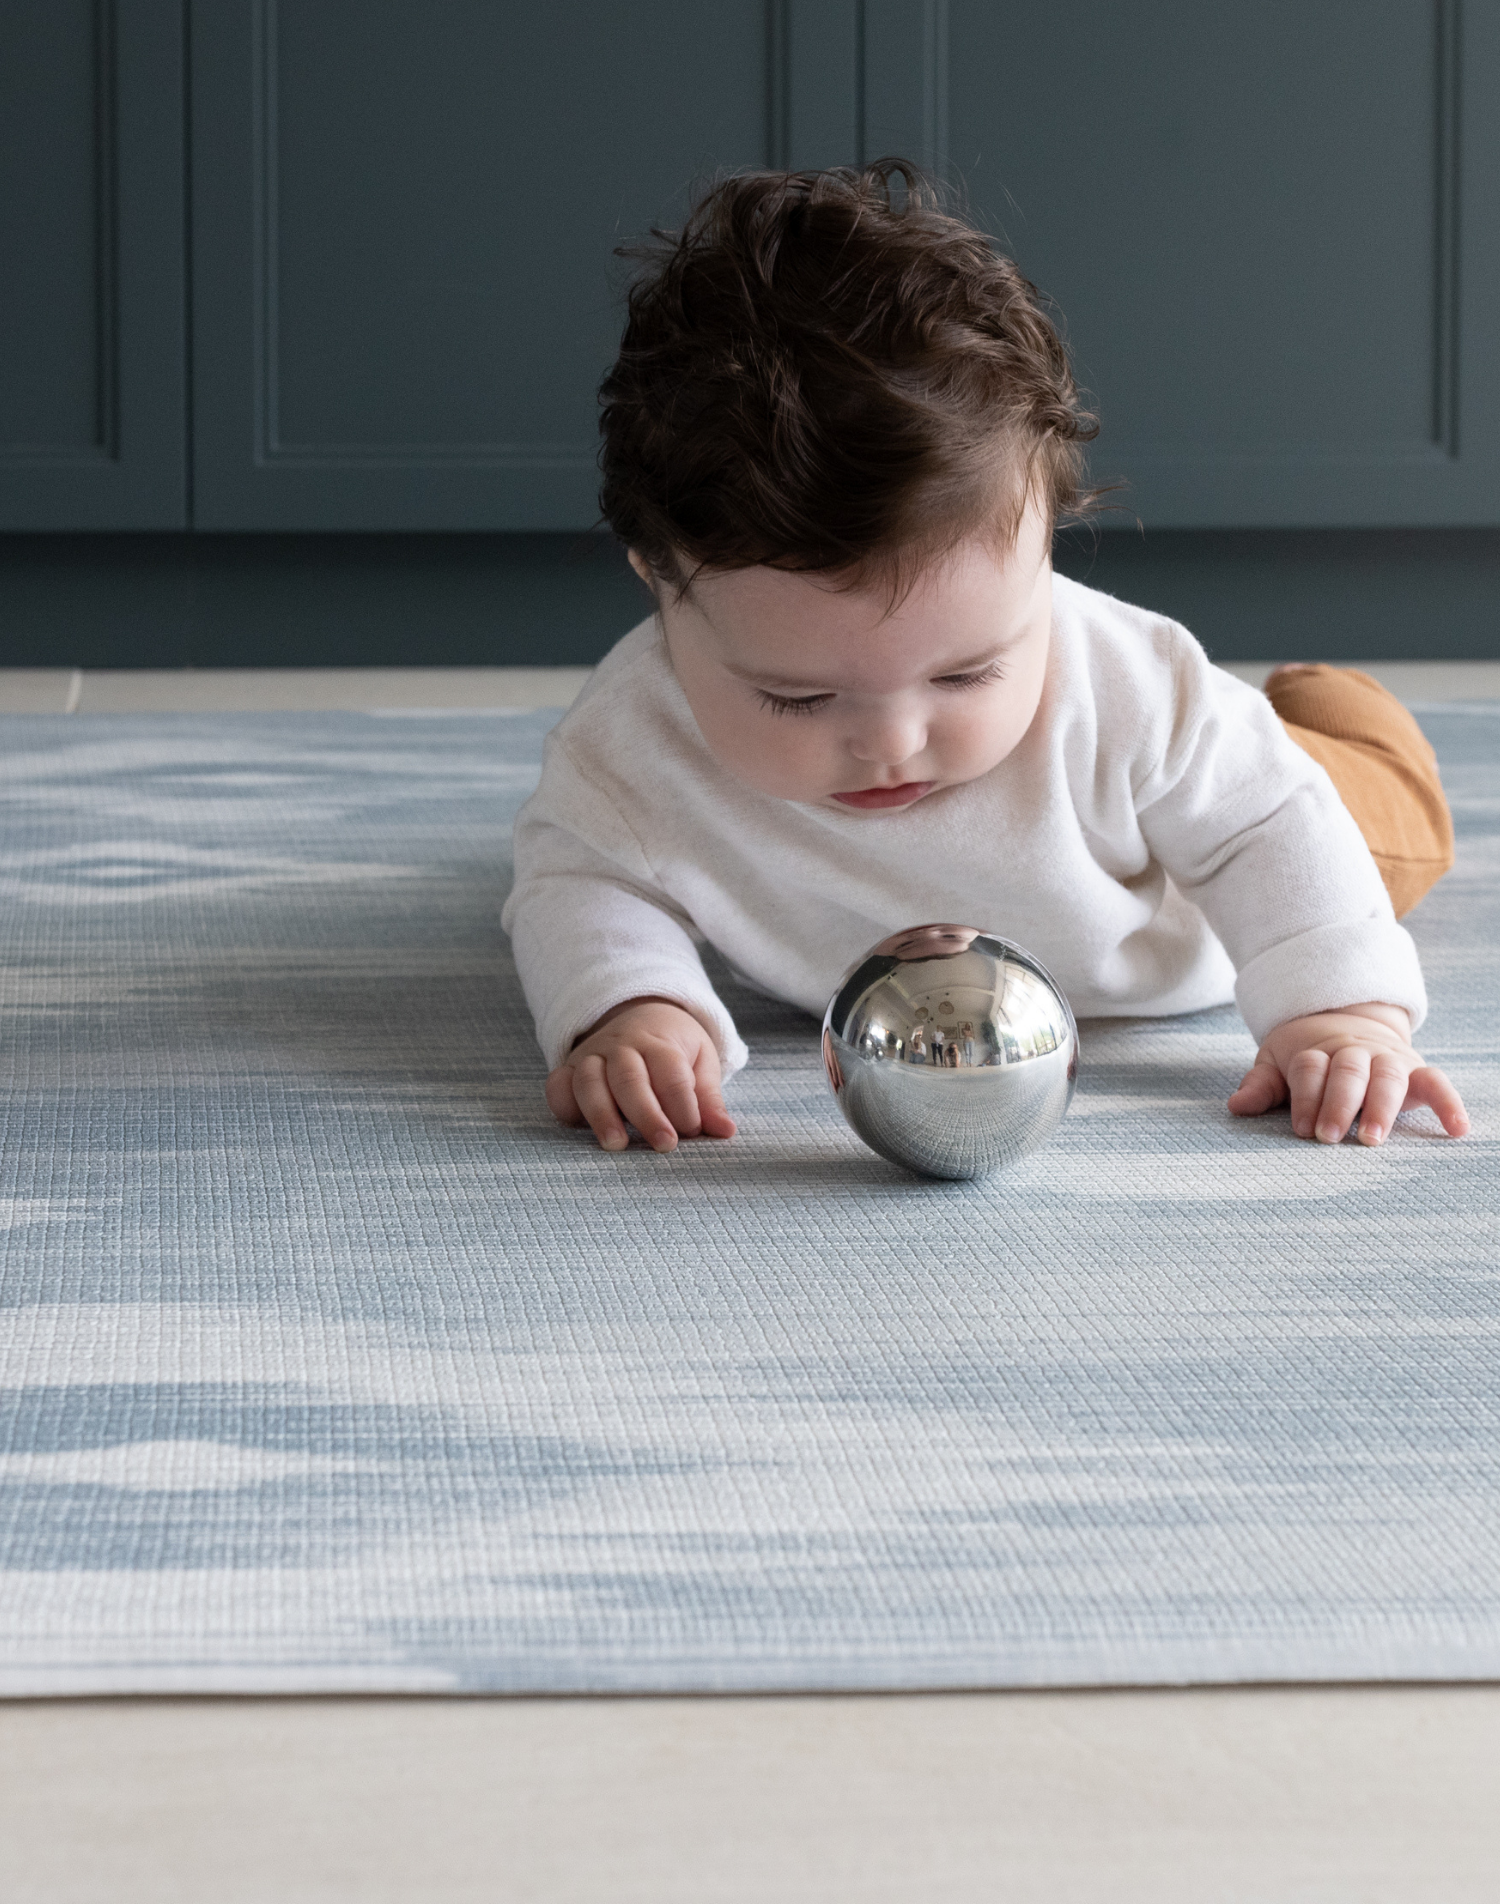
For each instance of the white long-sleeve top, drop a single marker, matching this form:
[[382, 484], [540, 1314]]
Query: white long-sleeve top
[[1156, 840]]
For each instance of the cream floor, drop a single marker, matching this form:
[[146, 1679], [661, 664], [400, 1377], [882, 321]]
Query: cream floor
[[1254, 1796], [1243, 1795]]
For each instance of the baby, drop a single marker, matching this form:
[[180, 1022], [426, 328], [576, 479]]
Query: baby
[[837, 440]]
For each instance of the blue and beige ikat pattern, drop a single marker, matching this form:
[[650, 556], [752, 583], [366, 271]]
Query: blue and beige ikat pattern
[[326, 1361]]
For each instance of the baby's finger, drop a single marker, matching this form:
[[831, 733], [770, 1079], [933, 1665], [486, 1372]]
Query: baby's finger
[[1383, 1099], [597, 1102], [671, 1078], [1261, 1089], [630, 1082], [1343, 1093], [1305, 1077], [1432, 1087], [558, 1091], [716, 1121]]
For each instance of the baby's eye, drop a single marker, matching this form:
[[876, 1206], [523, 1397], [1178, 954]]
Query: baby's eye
[[785, 704], [981, 677]]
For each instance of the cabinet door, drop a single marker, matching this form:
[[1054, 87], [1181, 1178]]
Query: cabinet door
[[403, 219], [1273, 230], [91, 274]]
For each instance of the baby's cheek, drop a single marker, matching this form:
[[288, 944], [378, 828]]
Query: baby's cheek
[[765, 754], [795, 763], [1005, 727], [968, 745]]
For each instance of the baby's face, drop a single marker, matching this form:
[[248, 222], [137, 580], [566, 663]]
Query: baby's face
[[834, 698]]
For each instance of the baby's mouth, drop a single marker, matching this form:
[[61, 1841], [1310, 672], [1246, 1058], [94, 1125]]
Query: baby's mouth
[[873, 799]]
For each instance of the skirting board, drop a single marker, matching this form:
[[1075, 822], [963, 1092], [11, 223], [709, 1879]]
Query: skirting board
[[314, 600]]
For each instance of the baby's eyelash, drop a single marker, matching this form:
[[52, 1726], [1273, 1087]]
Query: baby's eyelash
[[783, 704], [981, 677], [810, 703]]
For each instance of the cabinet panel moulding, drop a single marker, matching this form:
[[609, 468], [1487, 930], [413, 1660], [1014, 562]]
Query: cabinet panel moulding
[[1442, 447], [105, 367], [904, 63], [272, 448], [1446, 249]]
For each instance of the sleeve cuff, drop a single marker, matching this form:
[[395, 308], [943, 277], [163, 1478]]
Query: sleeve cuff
[[1366, 961]]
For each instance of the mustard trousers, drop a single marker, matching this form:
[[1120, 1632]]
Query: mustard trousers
[[1385, 772]]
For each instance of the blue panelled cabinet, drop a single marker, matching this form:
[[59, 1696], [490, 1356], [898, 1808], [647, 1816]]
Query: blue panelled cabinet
[[347, 264]]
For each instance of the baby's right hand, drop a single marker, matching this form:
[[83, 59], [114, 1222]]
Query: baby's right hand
[[650, 1062]]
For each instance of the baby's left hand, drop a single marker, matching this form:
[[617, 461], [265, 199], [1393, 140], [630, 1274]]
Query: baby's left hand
[[1339, 1065]]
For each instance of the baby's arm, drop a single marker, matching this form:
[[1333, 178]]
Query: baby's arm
[[651, 1063], [1255, 833], [625, 1013], [1338, 1065]]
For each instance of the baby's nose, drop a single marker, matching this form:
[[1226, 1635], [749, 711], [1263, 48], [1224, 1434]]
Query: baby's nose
[[889, 737]]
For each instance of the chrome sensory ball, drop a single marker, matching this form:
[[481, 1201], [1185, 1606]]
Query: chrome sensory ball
[[950, 1050]]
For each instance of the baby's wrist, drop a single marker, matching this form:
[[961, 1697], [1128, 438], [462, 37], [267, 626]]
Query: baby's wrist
[[1397, 1017], [1316, 1026]]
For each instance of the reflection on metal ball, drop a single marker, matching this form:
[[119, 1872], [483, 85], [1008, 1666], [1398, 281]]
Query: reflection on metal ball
[[950, 1050]]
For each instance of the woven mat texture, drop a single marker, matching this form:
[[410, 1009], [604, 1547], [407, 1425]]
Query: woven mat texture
[[328, 1362]]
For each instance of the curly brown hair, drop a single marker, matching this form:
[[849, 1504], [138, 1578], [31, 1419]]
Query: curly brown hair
[[824, 374]]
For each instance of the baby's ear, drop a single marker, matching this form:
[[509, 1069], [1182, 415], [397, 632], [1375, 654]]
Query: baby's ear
[[642, 568]]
